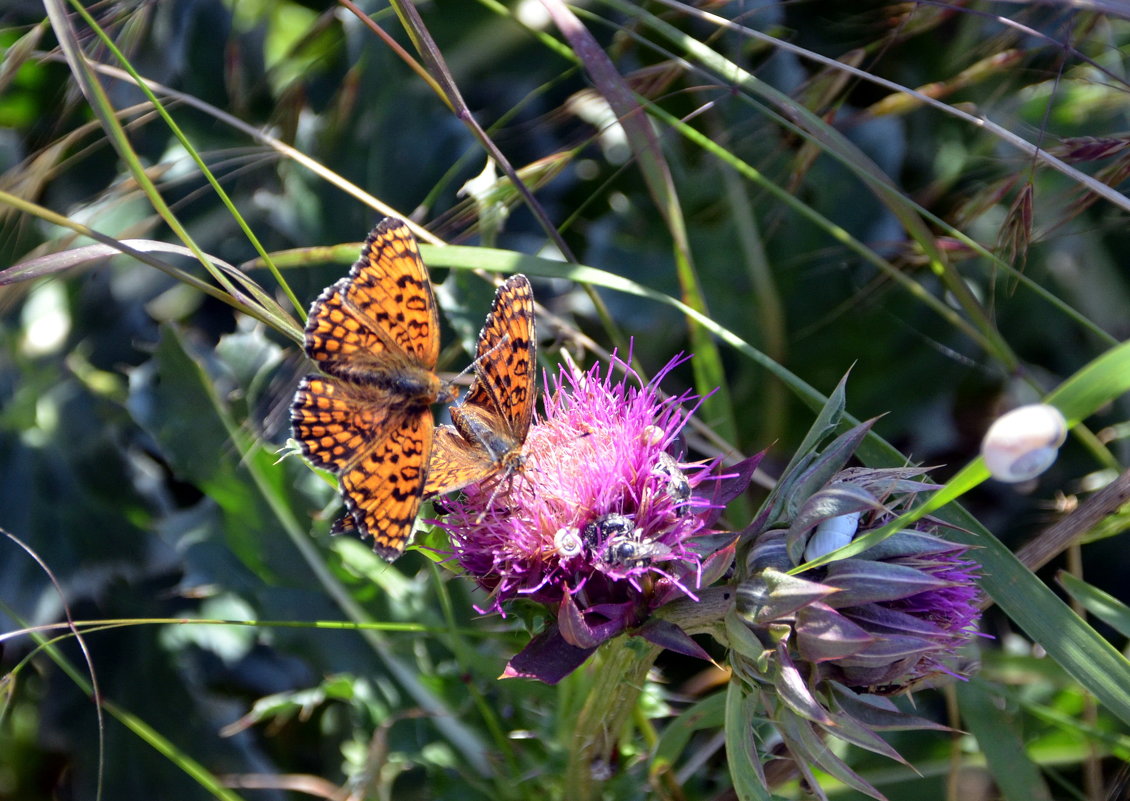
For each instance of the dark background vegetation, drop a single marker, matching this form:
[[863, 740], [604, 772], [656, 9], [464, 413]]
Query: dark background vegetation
[[124, 457]]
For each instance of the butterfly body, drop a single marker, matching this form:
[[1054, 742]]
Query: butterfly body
[[474, 426], [375, 337]]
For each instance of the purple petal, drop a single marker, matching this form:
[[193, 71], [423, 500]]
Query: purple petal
[[574, 629], [547, 658], [862, 581], [794, 691], [884, 620], [716, 565], [719, 491], [823, 634]]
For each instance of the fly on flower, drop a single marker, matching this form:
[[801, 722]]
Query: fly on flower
[[616, 542]]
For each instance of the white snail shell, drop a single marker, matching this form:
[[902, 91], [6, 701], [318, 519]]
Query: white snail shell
[[832, 533], [567, 542], [1023, 443], [653, 435]]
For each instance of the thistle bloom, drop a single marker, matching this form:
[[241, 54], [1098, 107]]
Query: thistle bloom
[[601, 525]]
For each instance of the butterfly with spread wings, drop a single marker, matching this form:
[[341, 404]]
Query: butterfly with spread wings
[[375, 336], [491, 423]]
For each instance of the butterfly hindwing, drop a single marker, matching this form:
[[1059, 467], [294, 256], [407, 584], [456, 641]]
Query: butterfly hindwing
[[383, 491], [336, 422]]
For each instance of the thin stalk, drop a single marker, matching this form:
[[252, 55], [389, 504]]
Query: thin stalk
[[208, 176], [619, 669]]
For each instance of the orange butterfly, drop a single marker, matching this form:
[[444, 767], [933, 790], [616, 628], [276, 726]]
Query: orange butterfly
[[492, 421], [375, 336]]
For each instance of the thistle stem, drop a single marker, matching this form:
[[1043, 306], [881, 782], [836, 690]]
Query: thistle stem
[[619, 669]]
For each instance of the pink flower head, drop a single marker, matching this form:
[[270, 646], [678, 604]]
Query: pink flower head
[[601, 523]]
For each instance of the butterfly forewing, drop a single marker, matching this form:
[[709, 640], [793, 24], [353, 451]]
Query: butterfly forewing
[[379, 323], [506, 360], [390, 286]]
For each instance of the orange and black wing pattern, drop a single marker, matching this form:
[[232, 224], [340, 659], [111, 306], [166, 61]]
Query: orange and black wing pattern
[[375, 336], [492, 421]]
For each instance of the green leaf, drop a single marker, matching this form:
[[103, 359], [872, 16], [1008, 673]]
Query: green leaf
[[794, 491], [845, 728], [171, 397], [741, 750], [709, 713], [793, 691], [878, 712], [1016, 775], [742, 640], [825, 424], [811, 752], [1102, 605]]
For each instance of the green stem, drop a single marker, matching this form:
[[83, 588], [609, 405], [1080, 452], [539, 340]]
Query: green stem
[[703, 616], [619, 669]]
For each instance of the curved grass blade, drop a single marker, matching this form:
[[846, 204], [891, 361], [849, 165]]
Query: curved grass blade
[[255, 302], [656, 173], [261, 468], [193, 154]]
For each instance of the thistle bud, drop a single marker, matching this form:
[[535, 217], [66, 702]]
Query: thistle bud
[[820, 645]]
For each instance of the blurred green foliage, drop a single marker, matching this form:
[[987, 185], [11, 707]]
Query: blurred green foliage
[[140, 420]]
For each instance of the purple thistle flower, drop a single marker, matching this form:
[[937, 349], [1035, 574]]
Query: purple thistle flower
[[885, 620], [601, 524]]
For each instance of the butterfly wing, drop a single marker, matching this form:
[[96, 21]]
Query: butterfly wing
[[506, 361], [336, 422], [375, 333], [455, 463], [381, 317], [492, 421], [383, 490]]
